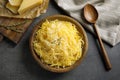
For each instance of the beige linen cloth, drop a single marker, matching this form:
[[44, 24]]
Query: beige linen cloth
[[109, 16]]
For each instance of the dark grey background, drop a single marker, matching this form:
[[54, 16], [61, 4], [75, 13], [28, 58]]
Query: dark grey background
[[16, 62]]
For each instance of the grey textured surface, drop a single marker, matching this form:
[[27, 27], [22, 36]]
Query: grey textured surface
[[16, 62]]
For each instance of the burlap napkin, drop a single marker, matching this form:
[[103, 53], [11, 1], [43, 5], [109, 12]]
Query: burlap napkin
[[109, 16]]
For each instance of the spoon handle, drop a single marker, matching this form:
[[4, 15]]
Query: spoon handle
[[1, 37], [104, 53]]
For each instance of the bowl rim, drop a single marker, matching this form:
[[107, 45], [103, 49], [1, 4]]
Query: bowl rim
[[47, 67]]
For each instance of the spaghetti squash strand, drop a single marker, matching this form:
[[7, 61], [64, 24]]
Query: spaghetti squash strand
[[58, 43]]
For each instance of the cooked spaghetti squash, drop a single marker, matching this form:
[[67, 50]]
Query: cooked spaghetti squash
[[58, 43]]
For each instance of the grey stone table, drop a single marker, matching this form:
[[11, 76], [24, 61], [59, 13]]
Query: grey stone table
[[16, 62]]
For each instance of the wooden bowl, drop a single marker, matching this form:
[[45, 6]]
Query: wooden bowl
[[79, 28]]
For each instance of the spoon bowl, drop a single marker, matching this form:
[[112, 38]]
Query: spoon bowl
[[90, 13]]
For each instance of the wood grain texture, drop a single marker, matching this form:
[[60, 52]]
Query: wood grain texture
[[104, 54], [11, 34]]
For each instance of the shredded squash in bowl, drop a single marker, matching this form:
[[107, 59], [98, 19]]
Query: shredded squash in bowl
[[58, 43]]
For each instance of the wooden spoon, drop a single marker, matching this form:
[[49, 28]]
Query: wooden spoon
[[91, 15]]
